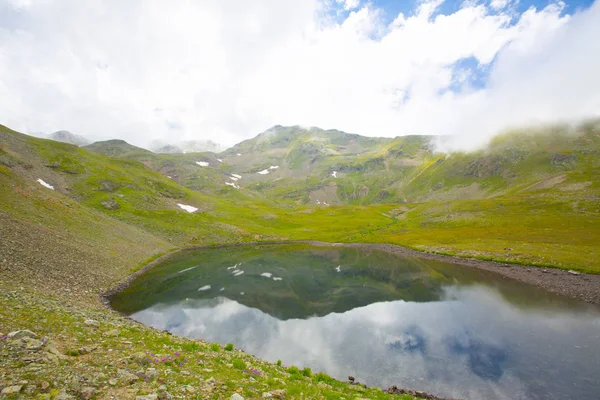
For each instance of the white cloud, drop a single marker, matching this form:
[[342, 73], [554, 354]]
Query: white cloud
[[227, 70], [348, 4]]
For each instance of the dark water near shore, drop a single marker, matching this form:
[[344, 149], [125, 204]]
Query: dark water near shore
[[385, 319]]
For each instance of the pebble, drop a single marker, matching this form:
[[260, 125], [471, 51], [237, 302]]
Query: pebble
[[111, 333], [147, 397], [267, 395], [87, 393], [163, 394], [189, 389], [278, 394], [64, 396], [44, 386], [92, 323], [236, 396], [151, 374]]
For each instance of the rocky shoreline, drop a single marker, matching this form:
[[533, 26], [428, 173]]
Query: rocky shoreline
[[576, 285]]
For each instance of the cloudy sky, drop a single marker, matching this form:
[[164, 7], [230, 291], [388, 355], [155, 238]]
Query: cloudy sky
[[228, 69]]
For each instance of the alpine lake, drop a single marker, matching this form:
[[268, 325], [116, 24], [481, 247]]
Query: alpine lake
[[449, 330]]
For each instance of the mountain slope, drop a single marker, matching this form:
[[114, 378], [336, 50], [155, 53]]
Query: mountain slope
[[313, 166], [542, 220], [68, 137]]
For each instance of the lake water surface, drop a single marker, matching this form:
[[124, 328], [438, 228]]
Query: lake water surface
[[387, 320]]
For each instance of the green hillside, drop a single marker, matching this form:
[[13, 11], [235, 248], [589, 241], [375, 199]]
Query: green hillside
[[535, 193], [74, 221]]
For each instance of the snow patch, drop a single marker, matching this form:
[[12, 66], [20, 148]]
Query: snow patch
[[263, 172], [242, 293], [266, 274], [220, 290], [276, 278], [236, 176], [239, 154], [169, 177], [187, 269], [232, 185], [233, 178], [204, 288], [202, 163], [274, 167], [219, 160], [233, 267], [189, 209], [44, 184], [338, 268], [334, 174], [238, 272]]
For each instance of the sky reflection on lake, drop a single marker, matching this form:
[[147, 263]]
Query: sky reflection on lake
[[471, 344]]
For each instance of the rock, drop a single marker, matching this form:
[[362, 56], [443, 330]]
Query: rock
[[11, 390], [21, 334], [236, 396], [189, 389], [266, 395], [211, 381], [151, 374], [113, 382], [92, 323], [44, 386], [278, 394], [31, 344], [30, 389], [570, 271], [126, 376], [86, 393], [111, 333], [111, 205], [64, 396], [207, 389], [163, 394], [147, 397], [86, 350], [52, 354]]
